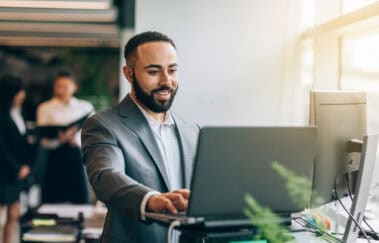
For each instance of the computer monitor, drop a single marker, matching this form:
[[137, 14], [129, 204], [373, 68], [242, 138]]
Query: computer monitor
[[362, 188], [340, 116]]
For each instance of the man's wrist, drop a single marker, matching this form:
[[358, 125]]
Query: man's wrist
[[144, 203]]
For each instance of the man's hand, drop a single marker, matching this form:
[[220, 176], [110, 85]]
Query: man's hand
[[68, 135], [24, 172], [170, 201]]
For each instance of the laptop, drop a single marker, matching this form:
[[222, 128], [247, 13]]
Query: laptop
[[233, 161]]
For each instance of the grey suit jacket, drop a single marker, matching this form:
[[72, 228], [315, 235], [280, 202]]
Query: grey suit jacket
[[124, 163]]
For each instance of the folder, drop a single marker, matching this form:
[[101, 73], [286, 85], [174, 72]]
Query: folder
[[52, 131]]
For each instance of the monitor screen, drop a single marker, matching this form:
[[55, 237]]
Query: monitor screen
[[340, 116]]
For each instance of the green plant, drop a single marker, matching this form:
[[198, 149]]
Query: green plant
[[267, 223], [300, 191], [298, 187], [94, 69]]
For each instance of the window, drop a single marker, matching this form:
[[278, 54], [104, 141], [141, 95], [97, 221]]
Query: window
[[360, 71], [345, 52], [352, 5]]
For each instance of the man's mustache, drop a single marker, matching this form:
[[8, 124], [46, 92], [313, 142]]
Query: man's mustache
[[163, 88]]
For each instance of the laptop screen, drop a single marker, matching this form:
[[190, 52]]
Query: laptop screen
[[234, 161]]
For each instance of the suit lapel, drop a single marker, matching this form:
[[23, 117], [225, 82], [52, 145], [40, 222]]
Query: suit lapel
[[133, 118], [13, 127], [185, 157]]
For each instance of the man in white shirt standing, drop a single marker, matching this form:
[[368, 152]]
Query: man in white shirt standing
[[139, 154], [64, 180]]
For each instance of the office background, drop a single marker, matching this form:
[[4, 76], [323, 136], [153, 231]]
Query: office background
[[242, 62], [254, 62]]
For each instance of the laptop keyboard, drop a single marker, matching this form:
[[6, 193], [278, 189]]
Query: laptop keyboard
[[179, 215]]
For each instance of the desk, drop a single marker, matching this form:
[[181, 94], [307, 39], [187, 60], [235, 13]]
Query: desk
[[93, 216], [91, 229], [300, 237], [227, 235], [308, 237]]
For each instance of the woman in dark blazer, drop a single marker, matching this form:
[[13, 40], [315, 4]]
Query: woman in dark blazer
[[14, 151]]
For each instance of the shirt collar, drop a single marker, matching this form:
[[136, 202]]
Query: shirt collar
[[72, 102], [15, 110], [169, 121]]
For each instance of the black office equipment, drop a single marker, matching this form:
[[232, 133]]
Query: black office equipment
[[234, 161], [36, 227]]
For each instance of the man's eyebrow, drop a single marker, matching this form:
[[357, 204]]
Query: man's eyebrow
[[153, 66], [159, 66]]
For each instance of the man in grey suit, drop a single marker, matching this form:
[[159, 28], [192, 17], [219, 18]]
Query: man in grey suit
[[139, 155]]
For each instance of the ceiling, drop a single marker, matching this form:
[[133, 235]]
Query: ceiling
[[79, 23]]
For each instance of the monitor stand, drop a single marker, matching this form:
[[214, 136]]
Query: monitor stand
[[362, 187]]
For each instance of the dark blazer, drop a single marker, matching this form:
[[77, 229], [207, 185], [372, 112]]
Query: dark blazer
[[14, 152], [123, 164]]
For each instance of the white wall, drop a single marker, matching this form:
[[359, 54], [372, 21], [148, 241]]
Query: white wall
[[232, 57]]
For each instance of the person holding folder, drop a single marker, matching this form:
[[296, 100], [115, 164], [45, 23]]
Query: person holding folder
[[16, 155], [65, 179]]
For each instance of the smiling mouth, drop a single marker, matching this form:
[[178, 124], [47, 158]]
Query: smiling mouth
[[163, 94]]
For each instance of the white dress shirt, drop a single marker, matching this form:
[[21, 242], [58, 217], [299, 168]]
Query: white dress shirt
[[169, 147], [56, 112], [18, 119], [165, 136]]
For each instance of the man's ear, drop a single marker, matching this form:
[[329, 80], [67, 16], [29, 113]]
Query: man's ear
[[128, 72], [76, 88]]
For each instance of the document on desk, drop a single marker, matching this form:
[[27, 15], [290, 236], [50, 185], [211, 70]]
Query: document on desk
[[67, 210], [48, 237]]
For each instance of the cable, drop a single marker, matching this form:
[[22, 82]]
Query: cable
[[348, 187], [316, 230], [173, 224], [351, 216], [373, 234]]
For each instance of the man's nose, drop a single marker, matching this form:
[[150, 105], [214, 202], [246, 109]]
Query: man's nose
[[165, 79]]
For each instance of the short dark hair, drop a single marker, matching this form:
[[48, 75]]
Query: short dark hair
[[65, 73], [9, 87], [142, 38]]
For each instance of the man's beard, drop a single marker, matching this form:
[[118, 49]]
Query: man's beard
[[148, 99]]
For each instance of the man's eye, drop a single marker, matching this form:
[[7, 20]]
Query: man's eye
[[172, 70], [153, 72]]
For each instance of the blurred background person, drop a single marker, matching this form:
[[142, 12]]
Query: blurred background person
[[15, 153], [65, 179]]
